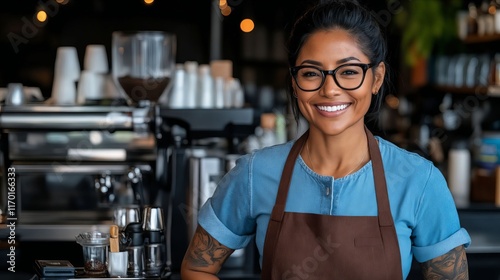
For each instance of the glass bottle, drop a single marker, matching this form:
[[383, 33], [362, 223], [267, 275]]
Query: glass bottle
[[472, 21]]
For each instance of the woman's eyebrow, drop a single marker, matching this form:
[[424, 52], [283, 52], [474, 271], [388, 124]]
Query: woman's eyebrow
[[340, 61], [344, 60], [313, 62]]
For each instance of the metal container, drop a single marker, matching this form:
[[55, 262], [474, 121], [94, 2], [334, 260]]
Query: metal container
[[153, 219]]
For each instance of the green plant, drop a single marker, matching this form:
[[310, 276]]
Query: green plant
[[425, 26]]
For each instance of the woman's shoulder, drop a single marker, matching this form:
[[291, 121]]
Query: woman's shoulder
[[266, 160], [401, 159], [275, 154], [389, 148], [410, 172]]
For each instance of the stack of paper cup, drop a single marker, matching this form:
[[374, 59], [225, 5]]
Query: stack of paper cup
[[176, 99], [92, 83], [205, 87], [219, 92], [190, 86], [66, 74]]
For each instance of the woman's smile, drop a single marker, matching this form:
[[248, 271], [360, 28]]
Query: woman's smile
[[334, 108]]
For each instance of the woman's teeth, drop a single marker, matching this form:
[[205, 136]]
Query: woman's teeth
[[333, 108]]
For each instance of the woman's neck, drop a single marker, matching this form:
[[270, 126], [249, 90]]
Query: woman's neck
[[336, 155]]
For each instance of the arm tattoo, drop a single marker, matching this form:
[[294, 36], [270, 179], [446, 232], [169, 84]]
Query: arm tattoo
[[206, 250], [452, 265]]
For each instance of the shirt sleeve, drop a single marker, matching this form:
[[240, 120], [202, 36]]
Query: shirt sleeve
[[437, 229], [226, 216]]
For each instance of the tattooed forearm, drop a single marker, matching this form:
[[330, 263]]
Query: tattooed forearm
[[452, 265], [206, 251]]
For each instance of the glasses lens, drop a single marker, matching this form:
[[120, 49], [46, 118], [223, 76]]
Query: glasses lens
[[349, 76], [309, 78]]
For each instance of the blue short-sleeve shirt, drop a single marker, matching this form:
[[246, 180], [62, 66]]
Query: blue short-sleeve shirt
[[422, 207]]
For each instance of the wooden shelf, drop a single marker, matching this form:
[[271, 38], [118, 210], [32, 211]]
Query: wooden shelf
[[476, 39]]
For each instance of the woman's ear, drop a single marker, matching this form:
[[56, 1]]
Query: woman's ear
[[379, 77]]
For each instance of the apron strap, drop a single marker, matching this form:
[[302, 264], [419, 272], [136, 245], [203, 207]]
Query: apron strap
[[384, 210], [274, 226], [386, 223]]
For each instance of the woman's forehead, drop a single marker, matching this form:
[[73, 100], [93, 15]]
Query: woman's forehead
[[331, 46]]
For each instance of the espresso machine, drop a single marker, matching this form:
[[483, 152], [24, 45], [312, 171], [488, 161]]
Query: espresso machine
[[78, 166], [60, 195]]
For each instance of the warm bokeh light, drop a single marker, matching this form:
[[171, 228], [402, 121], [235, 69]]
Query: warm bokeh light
[[392, 101], [222, 4], [62, 2], [41, 16], [247, 25], [226, 11], [148, 2], [492, 10]]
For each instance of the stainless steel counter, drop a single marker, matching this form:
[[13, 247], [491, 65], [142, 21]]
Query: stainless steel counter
[[32, 232]]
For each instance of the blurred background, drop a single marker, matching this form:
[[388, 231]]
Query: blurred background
[[31, 31], [444, 66]]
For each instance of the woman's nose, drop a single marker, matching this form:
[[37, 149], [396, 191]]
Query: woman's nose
[[330, 87]]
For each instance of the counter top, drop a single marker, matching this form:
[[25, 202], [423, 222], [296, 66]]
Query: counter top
[[483, 225], [67, 232]]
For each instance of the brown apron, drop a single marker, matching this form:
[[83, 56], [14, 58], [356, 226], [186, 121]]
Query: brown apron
[[313, 246]]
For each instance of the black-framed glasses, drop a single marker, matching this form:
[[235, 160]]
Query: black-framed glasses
[[346, 76]]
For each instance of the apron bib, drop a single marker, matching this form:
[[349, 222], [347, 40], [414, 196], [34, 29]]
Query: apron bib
[[313, 246]]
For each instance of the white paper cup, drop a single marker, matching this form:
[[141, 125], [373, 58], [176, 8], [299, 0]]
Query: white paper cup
[[67, 66], [117, 263], [96, 59], [64, 92], [90, 87]]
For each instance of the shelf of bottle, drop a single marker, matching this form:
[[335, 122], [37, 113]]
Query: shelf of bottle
[[475, 39], [492, 90]]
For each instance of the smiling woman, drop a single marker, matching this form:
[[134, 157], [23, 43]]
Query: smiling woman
[[337, 192]]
